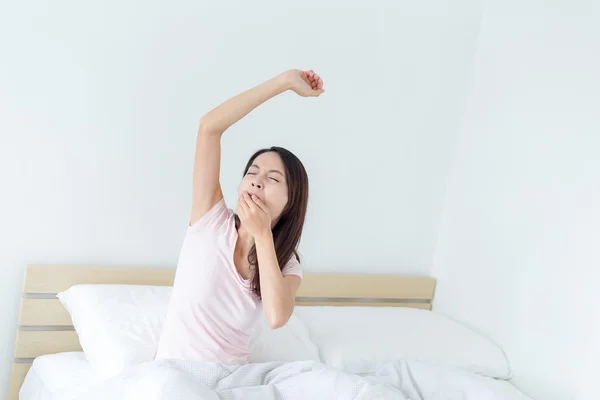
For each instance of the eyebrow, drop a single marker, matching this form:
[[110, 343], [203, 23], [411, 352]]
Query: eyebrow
[[273, 170]]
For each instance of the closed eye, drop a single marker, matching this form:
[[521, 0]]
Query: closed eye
[[274, 179]]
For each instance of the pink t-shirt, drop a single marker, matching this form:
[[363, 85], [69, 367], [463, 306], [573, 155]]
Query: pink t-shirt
[[212, 309]]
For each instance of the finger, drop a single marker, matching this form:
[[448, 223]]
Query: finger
[[244, 199], [317, 92], [259, 203], [248, 200], [320, 84], [241, 211], [241, 208]]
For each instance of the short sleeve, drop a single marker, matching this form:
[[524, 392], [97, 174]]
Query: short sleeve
[[292, 267], [214, 218]]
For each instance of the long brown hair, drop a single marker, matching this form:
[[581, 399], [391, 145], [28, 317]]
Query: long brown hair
[[288, 230]]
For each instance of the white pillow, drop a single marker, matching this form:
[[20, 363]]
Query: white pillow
[[117, 325], [358, 339], [291, 342]]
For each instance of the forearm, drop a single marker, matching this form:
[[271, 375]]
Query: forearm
[[228, 113], [278, 304]]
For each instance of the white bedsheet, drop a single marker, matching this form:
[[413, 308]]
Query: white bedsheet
[[68, 376], [62, 376], [403, 380]]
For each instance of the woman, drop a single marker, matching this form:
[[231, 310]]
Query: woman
[[232, 267]]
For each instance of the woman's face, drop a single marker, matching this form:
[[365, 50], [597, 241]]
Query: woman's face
[[266, 178]]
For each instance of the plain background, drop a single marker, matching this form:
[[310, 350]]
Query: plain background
[[519, 245], [455, 138]]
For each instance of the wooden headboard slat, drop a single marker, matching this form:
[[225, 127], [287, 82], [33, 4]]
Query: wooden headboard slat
[[57, 278], [367, 286], [31, 344], [54, 279], [43, 312], [18, 373]]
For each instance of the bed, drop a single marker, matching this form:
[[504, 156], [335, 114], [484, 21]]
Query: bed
[[46, 337]]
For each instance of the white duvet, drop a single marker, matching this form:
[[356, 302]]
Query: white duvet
[[405, 380]]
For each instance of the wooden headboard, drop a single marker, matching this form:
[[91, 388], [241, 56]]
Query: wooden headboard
[[45, 327]]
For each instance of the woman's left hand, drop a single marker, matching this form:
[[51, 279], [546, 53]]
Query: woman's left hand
[[254, 215]]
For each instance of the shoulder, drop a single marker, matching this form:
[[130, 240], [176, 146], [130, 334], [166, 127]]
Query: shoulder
[[217, 217], [292, 267]]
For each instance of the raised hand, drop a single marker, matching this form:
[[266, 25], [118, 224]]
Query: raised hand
[[304, 83]]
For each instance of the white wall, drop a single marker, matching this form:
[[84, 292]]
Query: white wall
[[99, 104], [518, 254]]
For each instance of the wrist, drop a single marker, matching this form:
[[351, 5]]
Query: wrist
[[264, 237], [283, 81]]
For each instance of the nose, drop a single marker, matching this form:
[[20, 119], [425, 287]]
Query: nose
[[256, 185]]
